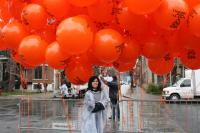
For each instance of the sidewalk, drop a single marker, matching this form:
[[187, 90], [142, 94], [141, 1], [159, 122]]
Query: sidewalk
[[140, 94], [42, 96]]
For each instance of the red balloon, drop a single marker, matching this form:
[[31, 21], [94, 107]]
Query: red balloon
[[154, 47], [34, 16], [54, 57], [82, 3], [101, 11], [29, 47], [130, 51], [107, 45], [58, 8], [12, 34], [194, 21], [161, 66], [171, 14], [143, 6], [124, 67], [78, 71], [191, 58], [74, 35]]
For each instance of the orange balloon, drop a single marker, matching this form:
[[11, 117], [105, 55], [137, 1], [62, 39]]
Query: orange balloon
[[154, 47], [48, 35], [12, 34], [107, 45], [191, 58], [29, 47], [171, 14], [186, 39], [82, 58], [40, 2], [17, 58], [173, 45], [78, 70], [136, 25], [124, 67], [167, 64], [34, 16], [2, 45], [101, 11], [94, 60], [5, 11], [192, 3], [27, 66], [75, 11], [194, 21], [74, 35], [143, 6], [130, 51], [82, 3], [58, 8], [54, 57], [16, 7]]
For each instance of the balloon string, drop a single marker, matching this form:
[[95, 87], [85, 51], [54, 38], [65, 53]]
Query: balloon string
[[44, 79], [45, 89], [141, 104], [28, 114], [67, 118], [23, 81], [131, 113]]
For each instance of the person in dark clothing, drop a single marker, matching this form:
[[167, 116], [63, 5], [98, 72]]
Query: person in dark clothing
[[114, 96], [39, 86]]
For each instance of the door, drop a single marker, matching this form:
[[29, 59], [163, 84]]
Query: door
[[186, 89]]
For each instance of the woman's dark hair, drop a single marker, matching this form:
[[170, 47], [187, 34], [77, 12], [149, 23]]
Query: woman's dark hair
[[114, 78], [90, 83]]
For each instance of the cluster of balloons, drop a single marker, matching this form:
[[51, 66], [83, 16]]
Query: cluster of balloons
[[76, 34]]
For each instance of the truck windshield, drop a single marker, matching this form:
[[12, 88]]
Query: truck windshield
[[178, 82]]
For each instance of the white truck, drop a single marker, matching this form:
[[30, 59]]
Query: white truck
[[185, 88]]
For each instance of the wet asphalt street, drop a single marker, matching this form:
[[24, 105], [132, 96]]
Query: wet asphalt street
[[55, 116]]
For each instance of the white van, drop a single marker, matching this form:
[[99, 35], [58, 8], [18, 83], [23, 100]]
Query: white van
[[185, 88]]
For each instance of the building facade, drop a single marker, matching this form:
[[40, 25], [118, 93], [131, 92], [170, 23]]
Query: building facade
[[11, 75]]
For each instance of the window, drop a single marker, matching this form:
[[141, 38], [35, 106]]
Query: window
[[186, 83], [39, 72], [1, 71]]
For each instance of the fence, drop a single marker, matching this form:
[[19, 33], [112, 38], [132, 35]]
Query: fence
[[61, 116]]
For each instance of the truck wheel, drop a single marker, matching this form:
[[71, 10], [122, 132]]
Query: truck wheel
[[174, 97]]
